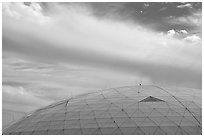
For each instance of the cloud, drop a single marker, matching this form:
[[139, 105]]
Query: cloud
[[176, 33], [32, 13], [17, 98], [103, 44], [193, 39], [69, 51], [146, 5], [185, 36], [60, 80], [187, 5], [194, 19]]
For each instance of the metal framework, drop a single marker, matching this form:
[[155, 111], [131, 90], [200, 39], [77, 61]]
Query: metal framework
[[125, 110]]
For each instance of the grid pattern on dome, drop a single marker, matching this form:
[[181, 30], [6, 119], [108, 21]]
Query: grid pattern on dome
[[118, 111]]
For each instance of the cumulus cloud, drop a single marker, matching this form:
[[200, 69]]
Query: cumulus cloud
[[184, 35], [176, 33], [193, 39], [184, 31]]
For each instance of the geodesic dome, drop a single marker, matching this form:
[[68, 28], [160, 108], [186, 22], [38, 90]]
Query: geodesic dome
[[124, 110]]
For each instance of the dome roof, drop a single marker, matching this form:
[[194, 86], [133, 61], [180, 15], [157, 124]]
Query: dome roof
[[123, 110]]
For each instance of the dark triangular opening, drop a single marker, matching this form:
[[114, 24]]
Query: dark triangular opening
[[151, 99]]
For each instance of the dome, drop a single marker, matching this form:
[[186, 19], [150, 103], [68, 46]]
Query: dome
[[132, 110]]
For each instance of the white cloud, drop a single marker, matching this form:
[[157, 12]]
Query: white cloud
[[177, 33], [193, 39], [146, 5], [194, 19], [184, 31], [20, 99], [184, 35], [19, 11], [171, 33], [188, 5], [108, 47], [9, 12], [98, 37]]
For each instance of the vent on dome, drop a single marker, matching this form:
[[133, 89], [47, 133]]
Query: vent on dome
[[151, 99]]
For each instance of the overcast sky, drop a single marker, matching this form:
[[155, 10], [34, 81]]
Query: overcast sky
[[53, 51]]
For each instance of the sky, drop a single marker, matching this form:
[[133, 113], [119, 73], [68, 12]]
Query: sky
[[53, 51]]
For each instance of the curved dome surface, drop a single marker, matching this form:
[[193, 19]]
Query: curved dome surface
[[125, 110]]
